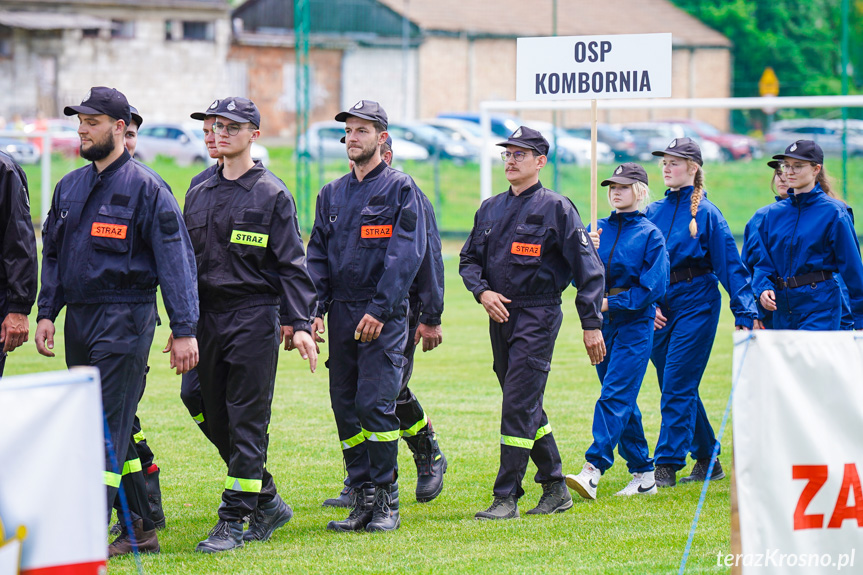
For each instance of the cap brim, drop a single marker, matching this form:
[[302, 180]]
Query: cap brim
[[661, 153], [73, 110], [521, 144], [138, 119], [796, 157], [343, 117], [342, 140], [235, 117], [198, 116], [620, 180], [775, 164]]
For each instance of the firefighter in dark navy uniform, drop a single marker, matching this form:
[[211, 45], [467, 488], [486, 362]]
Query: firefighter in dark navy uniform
[[255, 293], [365, 249], [526, 246], [115, 231], [18, 271]]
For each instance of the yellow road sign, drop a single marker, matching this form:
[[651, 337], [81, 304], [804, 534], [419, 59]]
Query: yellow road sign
[[768, 85]]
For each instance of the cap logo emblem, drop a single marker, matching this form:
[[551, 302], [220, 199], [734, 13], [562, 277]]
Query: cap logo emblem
[[214, 104], [618, 170], [358, 105], [87, 97], [231, 106], [516, 134], [673, 143], [793, 147]]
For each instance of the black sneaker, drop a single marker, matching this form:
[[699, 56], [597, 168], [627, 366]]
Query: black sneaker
[[555, 499], [265, 520], [501, 508], [665, 476], [224, 536], [345, 499], [699, 472]]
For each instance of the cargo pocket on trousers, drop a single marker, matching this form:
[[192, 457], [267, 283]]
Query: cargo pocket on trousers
[[538, 363]]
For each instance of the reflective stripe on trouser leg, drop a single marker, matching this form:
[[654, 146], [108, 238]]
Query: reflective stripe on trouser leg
[[244, 485], [522, 350], [416, 427], [379, 436]]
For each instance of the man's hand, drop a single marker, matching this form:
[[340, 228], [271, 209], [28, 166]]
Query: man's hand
[[14, 331], [758, 324], [594, 237], [184, 353], [45, 337], [308, 349], [368, 329], [768, 300], [493, 303], [595, 345], [318, 328], [432, 336], [660, 320], [286, 336]]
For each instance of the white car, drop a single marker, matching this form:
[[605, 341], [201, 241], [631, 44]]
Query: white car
[[185, 144], [323, 140], [577, 147], [470, 132]]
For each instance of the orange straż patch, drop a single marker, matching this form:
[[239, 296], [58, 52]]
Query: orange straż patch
[[376, 231], [520, 249], [101, 230]]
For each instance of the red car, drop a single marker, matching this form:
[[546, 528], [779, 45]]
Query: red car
[[734, 146]]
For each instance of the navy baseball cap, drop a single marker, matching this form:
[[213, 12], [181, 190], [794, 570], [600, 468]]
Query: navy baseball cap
[[102, 100], [237, 109], [525, 137], [775, 164], [211, 111], [805, 150], [367, 110], [136, 117], [627, 174], [682, 148]]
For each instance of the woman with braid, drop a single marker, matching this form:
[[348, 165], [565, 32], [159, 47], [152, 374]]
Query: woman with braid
[[702, 253]]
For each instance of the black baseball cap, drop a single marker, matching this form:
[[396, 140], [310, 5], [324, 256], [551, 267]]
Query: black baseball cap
[[683, 148], [805, 150], [627, 174], [775, 164], [136, 117], [211, 111], [525, 137], [237, 109], [367, 110], [102, 100]]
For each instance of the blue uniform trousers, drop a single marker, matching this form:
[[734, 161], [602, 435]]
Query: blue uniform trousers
[[116, 338], [522, 349], [364, 383], [680, 353], [412, 418], [190, 394], [616, 418], [811, 309]]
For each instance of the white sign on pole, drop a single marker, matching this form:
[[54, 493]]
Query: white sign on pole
[[797, 453], [594, 67]]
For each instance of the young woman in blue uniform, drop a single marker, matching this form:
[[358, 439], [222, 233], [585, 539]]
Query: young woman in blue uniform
[[805, 243], [702, 252], [636, 272]]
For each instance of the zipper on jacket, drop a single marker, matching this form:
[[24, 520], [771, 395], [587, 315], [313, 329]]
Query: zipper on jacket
[[611, 253], [668, 235], [790, 267]]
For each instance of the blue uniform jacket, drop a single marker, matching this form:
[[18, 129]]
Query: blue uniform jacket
[[632, 250], [111, 237], [529, 248], [428, 287], [750, 254], [714, 248], [809, 233], [368, 240], [18, 271]]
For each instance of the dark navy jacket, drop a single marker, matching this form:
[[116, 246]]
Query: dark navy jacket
[[205, 175], [18, 271], [111, 237], [809, 233], [714, 248], [427, 290], [632, 250], [368, 240], [248, 246], [529, 248]]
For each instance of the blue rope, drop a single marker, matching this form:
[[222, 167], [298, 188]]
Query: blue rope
[[124, 504], [701, 499]]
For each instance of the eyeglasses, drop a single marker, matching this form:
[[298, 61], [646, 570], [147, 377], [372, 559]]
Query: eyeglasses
[[793, 168], [517, 156], [233, 129]]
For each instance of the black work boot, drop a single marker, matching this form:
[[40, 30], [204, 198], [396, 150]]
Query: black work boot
[[154, 497], [224, 536], [501, 508], [431, 464], [665, 476], [699, 472], [361, 513], [266, 519], [145, 541], [555, 499], [345, 498], [385, 513]]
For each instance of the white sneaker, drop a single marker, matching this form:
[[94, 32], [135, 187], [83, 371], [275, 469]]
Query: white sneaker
[[641, 484], [585, 482]]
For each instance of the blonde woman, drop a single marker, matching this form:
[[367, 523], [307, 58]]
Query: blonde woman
[[702, 253]]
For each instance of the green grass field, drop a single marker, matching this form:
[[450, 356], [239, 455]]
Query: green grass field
[[459, 391]]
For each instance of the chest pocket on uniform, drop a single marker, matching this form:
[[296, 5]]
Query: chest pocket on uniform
[[376, 226], [250, 234], [527, 244], [111, 230], [196, 224]]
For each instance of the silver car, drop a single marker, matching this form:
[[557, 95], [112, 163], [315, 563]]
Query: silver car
[[185, 144], [323, 140]]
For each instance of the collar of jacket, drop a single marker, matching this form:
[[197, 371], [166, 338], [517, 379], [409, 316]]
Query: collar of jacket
[[528, 192], [113, 166], [247, 180], [807, 198], [683, 192], [376, 171], [626, 216]]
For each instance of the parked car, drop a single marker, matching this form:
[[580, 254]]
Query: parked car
[[185, 144], [579, 148], [733, 146], [621, 142], [650, 136], [323, 141], [21, 151], [470, 132], [259, 152], [64, 135], [826, 133], [436, 142]]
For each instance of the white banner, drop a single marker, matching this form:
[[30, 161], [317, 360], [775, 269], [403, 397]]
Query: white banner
[[593, 67], [52, 479], [798, 452]]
